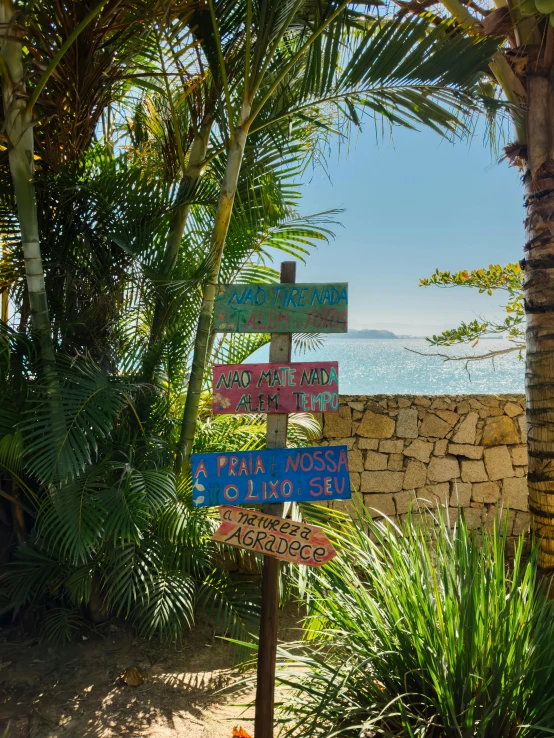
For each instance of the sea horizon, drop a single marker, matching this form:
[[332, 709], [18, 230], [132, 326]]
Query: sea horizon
[[369, 366]]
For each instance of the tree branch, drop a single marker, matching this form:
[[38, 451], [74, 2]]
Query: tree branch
[[480, 357], [17, 502]]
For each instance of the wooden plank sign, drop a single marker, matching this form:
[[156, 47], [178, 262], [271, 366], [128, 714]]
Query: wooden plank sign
[[276, 388], [281, 308], [286, 540], [315, 474]]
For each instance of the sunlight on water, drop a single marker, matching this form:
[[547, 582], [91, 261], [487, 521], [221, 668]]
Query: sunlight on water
[[383, 366]]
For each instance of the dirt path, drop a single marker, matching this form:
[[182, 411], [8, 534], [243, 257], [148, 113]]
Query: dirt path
[[76, 691]]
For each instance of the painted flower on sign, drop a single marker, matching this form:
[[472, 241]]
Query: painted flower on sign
[[222, 402]]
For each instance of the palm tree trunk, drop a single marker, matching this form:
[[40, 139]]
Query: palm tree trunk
[[19, 131], [192, 174], [202, 340], [538, 163], [195, 167], [18, 516]]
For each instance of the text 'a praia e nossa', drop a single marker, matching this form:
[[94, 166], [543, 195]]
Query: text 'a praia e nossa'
[[271, 475]]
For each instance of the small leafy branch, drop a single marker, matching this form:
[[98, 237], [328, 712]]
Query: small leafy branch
[[509, 279]]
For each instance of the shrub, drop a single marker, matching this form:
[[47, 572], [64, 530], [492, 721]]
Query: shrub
[[418, 632]]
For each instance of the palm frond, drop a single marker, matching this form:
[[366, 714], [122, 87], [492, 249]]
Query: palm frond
[[231, 605], [60, 623], [72, 519], [91, 403], [33, 574]]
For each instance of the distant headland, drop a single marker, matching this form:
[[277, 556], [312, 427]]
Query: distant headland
[[366, 333]]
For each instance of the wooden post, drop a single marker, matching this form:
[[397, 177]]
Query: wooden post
[[280, 349]]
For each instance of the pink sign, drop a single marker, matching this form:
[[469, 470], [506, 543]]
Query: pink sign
[[276, 388]]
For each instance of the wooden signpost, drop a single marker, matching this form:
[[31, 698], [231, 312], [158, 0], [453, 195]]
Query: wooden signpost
[[286, 540], [281, 308], [314, 474], [276, 388], [277, 474]]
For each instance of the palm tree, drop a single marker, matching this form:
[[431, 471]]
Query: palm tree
[[282, 62], [520, 74], [100, 508], [51, 58], [39, 58], [108, 517], [37, 54], [95, 506]]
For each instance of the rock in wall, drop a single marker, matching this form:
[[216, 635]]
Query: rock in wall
[[460, 451]]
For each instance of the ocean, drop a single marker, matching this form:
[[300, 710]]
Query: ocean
[[389, 366]]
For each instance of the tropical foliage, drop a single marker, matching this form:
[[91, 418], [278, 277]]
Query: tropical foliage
[[95, 503], [421, 630], [152, 150], [110, 516], [490, 281], [300, 57]]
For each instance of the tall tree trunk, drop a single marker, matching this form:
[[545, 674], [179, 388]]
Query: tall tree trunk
[[538, 179], [18, 516], [5, 305], [19, 132], [192, 175], [202, 340]]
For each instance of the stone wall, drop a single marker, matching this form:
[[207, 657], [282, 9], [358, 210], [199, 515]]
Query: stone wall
[[458, 450]]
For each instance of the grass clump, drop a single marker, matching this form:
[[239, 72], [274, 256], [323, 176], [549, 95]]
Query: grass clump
[[422, 632]]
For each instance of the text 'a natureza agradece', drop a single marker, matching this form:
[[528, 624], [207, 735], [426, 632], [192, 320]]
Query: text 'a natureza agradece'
[[287, 540]]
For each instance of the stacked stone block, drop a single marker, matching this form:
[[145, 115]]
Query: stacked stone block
[[463, 451]]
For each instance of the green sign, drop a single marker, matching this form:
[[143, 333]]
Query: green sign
[[281, 308]]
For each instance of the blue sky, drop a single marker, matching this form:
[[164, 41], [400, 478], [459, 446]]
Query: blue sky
[[414, 203]]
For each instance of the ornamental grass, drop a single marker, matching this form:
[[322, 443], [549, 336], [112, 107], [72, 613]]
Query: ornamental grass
[[421, 631]]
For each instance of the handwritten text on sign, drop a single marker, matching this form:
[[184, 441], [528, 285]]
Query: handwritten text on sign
[[281, 308], [272, 475], [276, 388], [266, 534]]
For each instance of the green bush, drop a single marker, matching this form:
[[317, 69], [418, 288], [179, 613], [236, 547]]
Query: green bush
[[422, 631], [117, 534]]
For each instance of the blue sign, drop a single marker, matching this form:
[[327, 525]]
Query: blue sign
[[273, 475]]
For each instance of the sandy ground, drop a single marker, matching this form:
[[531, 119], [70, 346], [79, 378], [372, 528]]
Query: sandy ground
[[76, 691]]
